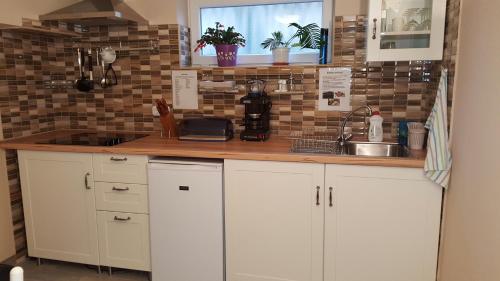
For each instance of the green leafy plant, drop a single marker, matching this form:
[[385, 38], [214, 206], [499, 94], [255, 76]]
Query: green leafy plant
[[220, 36], [275, 41], [309, 36]]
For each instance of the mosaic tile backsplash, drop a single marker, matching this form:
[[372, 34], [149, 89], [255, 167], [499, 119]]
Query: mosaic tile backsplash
[[401, 90], [146, 56]]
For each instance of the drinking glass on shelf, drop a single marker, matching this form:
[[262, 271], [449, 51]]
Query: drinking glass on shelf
[[397, 24]]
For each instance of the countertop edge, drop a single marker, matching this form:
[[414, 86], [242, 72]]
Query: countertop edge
[[158, 148]]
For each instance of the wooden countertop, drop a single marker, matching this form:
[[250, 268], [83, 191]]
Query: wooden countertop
[[275, 149]]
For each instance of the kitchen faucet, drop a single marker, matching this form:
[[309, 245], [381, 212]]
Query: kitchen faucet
[[344, 138]]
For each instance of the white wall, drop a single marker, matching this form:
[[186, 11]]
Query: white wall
[[156, 11], [12, 11], [161, 11], [182, 12], [175, 11], [471, 244], [351, 7]]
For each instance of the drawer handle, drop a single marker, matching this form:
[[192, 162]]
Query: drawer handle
[[116, 159], [120, 189], [87, 181], [374, 35], [331, 196], [121, 219], [317, 195]]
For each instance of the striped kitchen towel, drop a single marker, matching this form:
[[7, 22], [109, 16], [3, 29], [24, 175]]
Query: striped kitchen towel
[[438, 161]]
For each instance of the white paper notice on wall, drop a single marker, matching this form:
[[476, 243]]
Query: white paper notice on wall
[[185, 89], [334, 89]]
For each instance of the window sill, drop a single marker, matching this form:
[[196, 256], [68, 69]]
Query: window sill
[[246, 66]]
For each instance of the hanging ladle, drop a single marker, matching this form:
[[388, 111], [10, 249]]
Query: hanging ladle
[[108, 56]]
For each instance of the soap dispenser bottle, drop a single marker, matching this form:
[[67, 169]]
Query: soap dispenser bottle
[[376, 132]]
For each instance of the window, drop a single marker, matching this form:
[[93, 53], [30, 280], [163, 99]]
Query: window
[[256, 19]]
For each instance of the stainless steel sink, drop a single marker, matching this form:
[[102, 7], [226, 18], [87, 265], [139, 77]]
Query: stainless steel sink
[[373, 149], [376, 149], [307, 142]]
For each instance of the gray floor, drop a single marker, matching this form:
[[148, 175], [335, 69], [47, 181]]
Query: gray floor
[[60, 271]]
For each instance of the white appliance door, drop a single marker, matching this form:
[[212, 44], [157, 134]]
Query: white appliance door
[[186, 221]]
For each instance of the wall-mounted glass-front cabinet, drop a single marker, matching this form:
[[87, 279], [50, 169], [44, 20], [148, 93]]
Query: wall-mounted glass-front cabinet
[[406, 30]]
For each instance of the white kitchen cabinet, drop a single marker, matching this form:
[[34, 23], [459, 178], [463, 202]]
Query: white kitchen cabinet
[[405, 30], [122, 210], [274, 221], [121, 197], [382, 224], [7, 245], [124, 240], [120, 168], [59, 206]]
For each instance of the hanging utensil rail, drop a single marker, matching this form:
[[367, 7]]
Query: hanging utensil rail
[[123, 46]]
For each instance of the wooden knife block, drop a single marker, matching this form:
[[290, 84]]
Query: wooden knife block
[[169, 125]]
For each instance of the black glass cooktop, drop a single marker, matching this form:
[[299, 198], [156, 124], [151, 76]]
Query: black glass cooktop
[[93, 139]]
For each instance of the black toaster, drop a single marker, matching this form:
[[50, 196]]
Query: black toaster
[[206, 129]]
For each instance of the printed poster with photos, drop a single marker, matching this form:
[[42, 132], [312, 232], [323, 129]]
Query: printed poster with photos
[[335, 89]]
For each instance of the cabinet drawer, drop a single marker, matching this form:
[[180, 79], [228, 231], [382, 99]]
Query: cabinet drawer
[[121, 197], [124, 240], [120, 168]]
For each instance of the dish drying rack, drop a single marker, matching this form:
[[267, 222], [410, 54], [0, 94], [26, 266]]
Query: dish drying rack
[[314, 141]]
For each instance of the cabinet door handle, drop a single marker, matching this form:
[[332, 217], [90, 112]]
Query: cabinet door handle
[[374, 36], [116, 159], [120, 189], [331, 196], [121, 219], [87, 181], [317, 195]]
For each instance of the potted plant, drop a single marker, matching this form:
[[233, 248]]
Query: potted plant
[[308, 37], [278, 47], [225, 41]]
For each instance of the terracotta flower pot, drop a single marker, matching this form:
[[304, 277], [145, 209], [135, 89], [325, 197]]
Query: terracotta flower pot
[[226, 55]]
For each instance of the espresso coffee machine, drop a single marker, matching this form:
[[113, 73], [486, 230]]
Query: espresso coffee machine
[[257, 112]]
